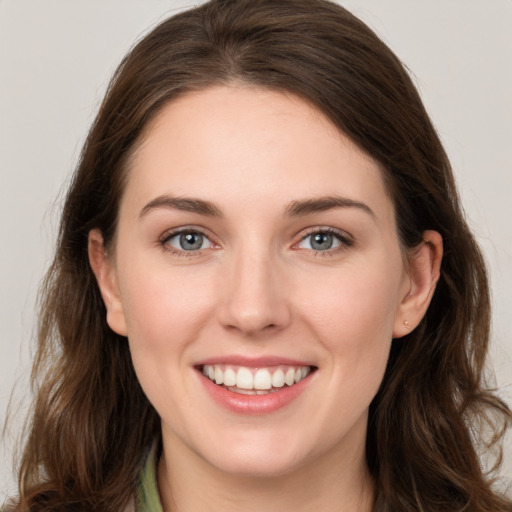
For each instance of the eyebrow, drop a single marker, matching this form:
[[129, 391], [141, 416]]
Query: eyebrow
[[296, 208], [184, 204], [321, 204]]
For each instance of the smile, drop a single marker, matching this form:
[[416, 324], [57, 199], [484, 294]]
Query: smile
[[255, 381]]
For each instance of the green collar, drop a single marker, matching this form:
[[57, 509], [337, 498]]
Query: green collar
[[148, 498]]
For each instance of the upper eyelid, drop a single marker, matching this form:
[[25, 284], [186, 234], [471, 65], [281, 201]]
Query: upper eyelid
[[164, 241], [345, 239], [303, 234], [170, 233], [325, 229]]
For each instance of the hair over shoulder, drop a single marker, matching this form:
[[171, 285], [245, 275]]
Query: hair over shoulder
[[91, 424]]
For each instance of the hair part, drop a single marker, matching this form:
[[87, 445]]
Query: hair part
[[91, 422]]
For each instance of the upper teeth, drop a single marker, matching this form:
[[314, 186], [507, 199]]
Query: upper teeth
[[255, 378]]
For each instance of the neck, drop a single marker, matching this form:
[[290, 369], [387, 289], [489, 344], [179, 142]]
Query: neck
[[337, 481]]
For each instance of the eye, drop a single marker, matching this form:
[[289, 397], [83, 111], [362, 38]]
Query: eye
[[188, 241], [323, 240]]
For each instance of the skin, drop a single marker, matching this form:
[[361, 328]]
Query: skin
[[257, 287]]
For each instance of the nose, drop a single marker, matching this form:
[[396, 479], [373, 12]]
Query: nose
[[254, 298]]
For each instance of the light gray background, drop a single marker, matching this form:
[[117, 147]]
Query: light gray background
[[55, 60]]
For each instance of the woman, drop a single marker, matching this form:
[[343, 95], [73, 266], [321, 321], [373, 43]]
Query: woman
[[264, 286]]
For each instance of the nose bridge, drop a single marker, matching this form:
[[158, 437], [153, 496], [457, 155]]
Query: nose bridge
[[253, 296]]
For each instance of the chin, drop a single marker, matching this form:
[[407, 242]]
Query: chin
[[260, 466], [258, 457]]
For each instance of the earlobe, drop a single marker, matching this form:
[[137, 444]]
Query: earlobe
[[105, 273], [423, 272]]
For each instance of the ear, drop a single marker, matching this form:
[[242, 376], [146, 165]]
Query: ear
[[105, 272], [423, 272]]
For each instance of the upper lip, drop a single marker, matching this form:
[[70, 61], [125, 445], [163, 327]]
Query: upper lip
[[253, 362]]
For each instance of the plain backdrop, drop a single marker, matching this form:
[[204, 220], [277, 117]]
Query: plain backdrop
[[56, 57]]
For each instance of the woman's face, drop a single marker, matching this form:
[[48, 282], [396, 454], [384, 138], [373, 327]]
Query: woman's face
[[258, 245]]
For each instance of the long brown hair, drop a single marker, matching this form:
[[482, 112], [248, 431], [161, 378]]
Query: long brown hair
[[91, 422]]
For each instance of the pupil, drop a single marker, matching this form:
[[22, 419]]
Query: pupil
[[321, 241], [191, 241]]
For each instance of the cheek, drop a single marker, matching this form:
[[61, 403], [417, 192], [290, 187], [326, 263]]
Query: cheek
[[163, 307], [354, 318], [164, 314], [356, 301]]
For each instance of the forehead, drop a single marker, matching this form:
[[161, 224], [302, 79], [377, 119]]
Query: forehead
[[248, 143]]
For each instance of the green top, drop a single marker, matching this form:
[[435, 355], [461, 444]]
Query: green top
[[148, 498]]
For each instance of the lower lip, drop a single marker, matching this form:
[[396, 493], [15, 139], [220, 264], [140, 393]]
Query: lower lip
[[254, 404]]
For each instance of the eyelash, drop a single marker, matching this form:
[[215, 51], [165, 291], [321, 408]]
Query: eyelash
[[344, 241], [165, 239]]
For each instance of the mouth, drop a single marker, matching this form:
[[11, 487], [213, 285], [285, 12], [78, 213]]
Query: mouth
[[255, 381]]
